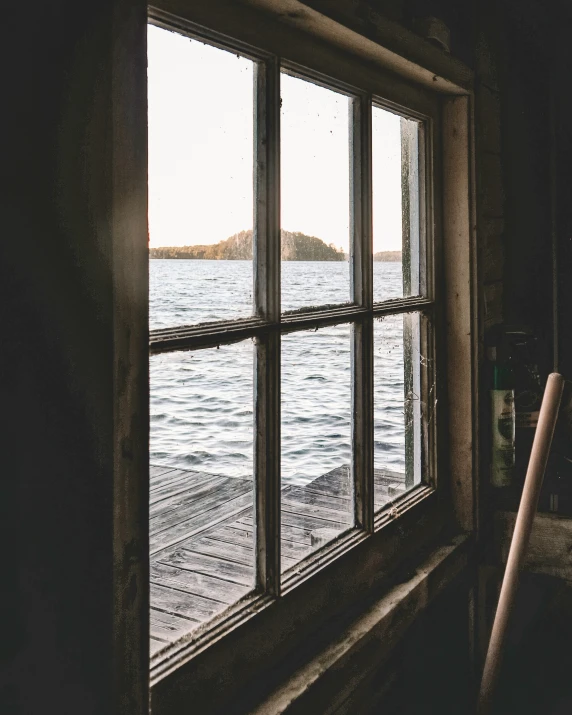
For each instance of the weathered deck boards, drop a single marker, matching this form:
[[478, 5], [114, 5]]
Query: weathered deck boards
[[202, 538]]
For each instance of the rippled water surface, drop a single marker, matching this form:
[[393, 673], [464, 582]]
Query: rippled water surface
[[202, 401]]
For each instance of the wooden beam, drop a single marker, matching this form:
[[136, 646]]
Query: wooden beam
[[373, 36], [130, 398], [459, 270]]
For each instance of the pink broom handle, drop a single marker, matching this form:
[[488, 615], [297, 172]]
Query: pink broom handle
[[521, 536]]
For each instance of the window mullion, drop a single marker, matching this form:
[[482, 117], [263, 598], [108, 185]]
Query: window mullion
[[362, 294], [266, 250]]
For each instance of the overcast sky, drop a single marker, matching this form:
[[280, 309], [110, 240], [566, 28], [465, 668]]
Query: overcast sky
[[201, 151]]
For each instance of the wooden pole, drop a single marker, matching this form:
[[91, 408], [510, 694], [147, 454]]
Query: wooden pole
[[521, 536]]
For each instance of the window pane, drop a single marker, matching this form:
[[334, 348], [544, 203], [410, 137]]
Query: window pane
[[397, 406], [202, 556], [317, 502], [396, 206], [315, 164], [200, 181]]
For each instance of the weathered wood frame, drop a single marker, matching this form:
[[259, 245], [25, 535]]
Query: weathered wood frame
[[269, 322], [370, 551], [129, 271]]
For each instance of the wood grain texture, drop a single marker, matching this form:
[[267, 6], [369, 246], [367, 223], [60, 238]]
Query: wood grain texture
[[203, 538], [125, 147], [459, 274]]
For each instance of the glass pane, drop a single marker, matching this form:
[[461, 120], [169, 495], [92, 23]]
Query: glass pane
[[396, 206], [397, 406], [201, 453], [200, 181], [315, 163], [317, 502]]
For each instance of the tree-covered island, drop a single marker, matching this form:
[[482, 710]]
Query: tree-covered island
[[296, 246], [387, 256]]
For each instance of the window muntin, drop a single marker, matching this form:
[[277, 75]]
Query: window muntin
[[265, 522]]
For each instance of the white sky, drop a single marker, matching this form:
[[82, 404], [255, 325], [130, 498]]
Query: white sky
[[201, 151]]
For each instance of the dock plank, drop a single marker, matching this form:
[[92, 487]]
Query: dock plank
[[182, 496], [232, 534], [336, 482], [202, 538], [170, 477], [182, 603], [169, 626], [194, 502], [199, 584], [295, 534], [307, 495], [240, 553], [159, 498], [221, 568], [157, 470], [309, 507], [309, 522], [174, 534], [387, 476]]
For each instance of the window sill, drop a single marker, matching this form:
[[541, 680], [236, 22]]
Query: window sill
[[352, 644], [377, 630]]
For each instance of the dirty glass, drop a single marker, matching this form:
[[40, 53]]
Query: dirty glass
[[200, 181], [315, 194], [316, 496], [201, 486], [395, 205], [397, 406]]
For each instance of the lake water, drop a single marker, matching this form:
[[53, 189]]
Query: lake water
[[202, 401]]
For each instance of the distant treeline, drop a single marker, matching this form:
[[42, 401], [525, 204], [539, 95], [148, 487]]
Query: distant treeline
[[387, 256], [295, 246]]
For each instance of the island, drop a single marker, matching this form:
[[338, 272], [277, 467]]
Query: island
[[295, 246], [387, 256]]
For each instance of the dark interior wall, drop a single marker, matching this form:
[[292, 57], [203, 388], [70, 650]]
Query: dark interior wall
[[535, 60], [535, 675], [564, 225], [526, 149], [57, 316], [459, 17], [560, 82], [531, 42]]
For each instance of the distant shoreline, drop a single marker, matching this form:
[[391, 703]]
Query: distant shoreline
[[382, 259], [295, 246]]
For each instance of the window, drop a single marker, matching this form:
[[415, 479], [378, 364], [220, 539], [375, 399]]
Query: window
[[266, 444], [296, 305]]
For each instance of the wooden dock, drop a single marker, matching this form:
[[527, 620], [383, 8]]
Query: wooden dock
[[202, 544]]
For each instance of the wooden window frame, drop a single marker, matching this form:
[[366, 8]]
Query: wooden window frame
[[250, 636]]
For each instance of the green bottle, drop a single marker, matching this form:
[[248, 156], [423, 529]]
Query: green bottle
[[502, 418]]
